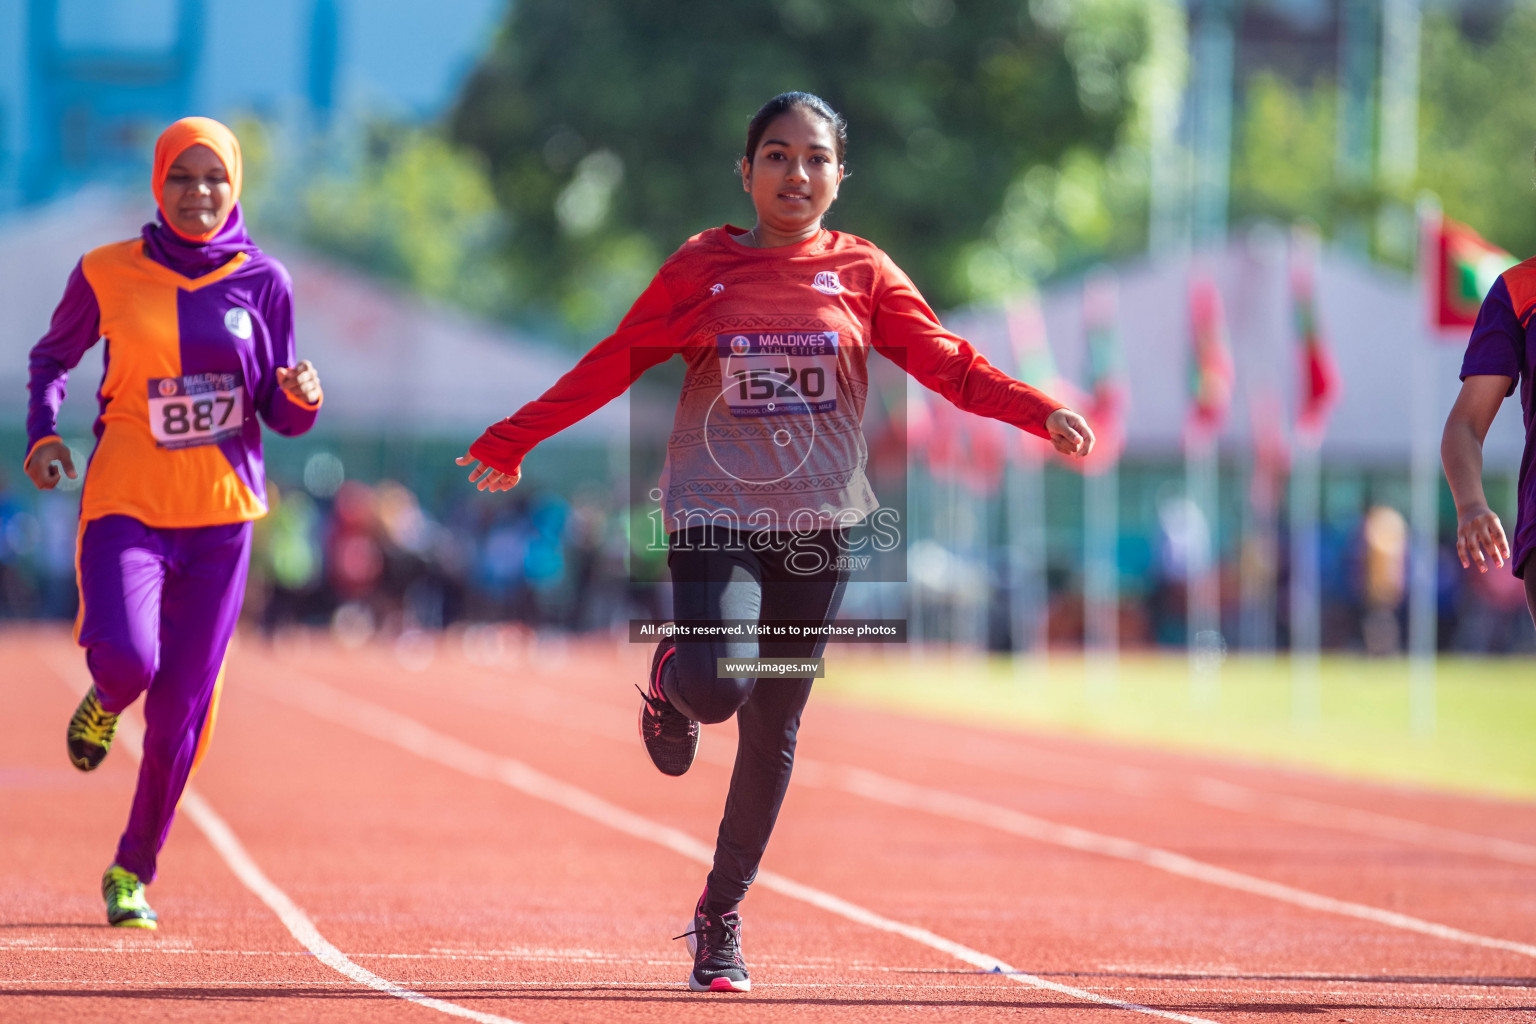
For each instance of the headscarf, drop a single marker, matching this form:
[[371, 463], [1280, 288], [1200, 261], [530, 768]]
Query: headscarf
[[195, 255], [182, 136]]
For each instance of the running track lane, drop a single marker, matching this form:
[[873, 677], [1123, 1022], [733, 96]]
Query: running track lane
[[1337, 866], [585, 964], [326, 817]]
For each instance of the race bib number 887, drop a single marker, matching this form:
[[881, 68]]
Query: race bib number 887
[[198, 409], [778, 373]]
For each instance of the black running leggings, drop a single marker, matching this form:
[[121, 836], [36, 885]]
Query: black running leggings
[[722, 574]]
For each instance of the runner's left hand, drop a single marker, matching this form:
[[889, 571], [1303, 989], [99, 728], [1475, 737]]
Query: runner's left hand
[[1070, 433], [302, 382], [486, 478]]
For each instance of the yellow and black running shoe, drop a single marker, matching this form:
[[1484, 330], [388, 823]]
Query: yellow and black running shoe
[[91, 729], [126, 905]]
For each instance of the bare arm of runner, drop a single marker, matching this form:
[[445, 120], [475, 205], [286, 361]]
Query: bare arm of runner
[[1479, 534]]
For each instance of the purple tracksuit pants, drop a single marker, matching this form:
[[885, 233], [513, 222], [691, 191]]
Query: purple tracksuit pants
[[157, 610]]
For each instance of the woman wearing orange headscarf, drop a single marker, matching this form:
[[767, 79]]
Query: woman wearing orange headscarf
[[198, 324]]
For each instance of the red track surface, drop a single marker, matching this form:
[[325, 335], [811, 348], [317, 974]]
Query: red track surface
[[470, 890]]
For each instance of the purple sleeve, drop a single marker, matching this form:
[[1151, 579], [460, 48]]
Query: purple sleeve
[[75, 328], [280, 410], [1497, 345]]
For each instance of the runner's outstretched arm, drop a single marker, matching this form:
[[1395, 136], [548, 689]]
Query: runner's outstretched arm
[[603, 374], [907, 332]]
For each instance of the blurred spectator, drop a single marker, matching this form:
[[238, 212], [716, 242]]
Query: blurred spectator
[[374, 558], [285, 562], [1384, 578], [1490, 614]]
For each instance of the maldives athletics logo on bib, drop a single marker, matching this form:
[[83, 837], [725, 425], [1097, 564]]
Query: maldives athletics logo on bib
[[827, 283]]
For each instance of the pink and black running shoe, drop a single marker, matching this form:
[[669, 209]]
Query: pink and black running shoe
[[715, 942], [671, 737]]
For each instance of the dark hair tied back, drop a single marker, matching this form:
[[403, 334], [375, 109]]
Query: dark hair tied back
[[787, 101]]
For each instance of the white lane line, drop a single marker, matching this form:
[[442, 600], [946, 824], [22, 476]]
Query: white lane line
[[883, 789], [1002, 755], [556, 706], [131, 736], [362, 715], [1233, 797]]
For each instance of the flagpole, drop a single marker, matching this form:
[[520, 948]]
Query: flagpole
[[1260, 550], [1204, 613], [1101, 579], [1318, 389], [1101, 484], [1423, 618], [1212, 384], [1026, 532], [1424, 485], [919, 426], [1025, 327], [915, 637], [1306, 572]]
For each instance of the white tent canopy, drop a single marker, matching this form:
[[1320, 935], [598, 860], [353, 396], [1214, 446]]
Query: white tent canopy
[[1372, 317]]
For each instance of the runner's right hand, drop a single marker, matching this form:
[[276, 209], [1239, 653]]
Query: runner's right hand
[[1479, 530], [486, 478], [43, 464]]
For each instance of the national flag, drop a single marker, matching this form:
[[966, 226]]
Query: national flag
[[1320, 385], [1034, 365], [962, 446], [1108, 392], [1210, 365], [1032, 359], [1460, 266]]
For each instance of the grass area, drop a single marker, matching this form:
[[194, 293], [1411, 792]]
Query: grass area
[[1483, 739]]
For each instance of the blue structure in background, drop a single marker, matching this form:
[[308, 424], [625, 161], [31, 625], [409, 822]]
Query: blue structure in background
[[86, 85], [95, 105]]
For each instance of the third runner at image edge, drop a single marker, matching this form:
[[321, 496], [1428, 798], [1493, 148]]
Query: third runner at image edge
[[198, 324], [817, 301], [1501, 352]]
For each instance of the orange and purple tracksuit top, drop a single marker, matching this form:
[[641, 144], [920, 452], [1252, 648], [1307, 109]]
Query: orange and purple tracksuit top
[[194, 333]]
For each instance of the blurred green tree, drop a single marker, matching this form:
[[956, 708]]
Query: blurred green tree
[[612, 128], [1283, 159], [419, 210], [410, 206], [1477, 129]]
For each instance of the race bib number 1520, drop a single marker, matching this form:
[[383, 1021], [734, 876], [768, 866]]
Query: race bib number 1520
[[778, 373], [198, 409]]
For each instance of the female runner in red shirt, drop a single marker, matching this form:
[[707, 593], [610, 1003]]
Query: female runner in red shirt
[[764, 479]]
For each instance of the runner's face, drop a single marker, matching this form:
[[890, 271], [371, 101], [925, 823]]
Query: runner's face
[[197, 194], [794, 175]]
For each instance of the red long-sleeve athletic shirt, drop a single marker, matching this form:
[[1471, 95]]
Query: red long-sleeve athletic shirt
[[776, 341]]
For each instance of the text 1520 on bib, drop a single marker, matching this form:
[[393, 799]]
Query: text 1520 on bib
[[778, 373], [198, 409]]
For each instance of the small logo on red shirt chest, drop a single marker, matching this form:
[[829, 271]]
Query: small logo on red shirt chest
[[827, 283]]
